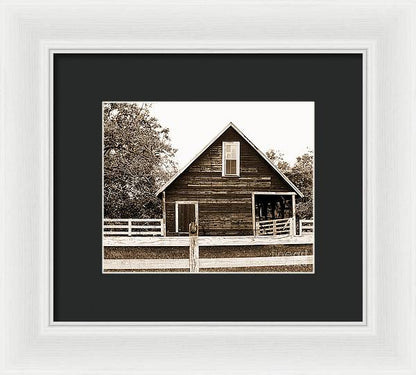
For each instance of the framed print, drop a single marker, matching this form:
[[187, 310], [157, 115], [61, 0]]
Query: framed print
[[251, 217], [218, 187]]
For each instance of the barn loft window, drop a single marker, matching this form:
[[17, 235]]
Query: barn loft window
[[231, 158]]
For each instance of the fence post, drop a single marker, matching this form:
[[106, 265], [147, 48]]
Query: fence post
[[294, 214], [193, 248], [162, 228], [163, 223], [274, 227], [129, 227], [292, 226], [300, 227]]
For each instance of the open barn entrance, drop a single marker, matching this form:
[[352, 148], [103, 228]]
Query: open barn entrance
[[272, 213]]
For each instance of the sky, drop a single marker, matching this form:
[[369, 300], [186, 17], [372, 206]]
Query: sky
[[284, 126]]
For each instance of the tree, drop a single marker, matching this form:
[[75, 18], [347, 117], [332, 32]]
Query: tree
[[138, 159], [278, 158], [301, 174]]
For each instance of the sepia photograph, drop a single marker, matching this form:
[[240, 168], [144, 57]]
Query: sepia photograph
[[208, 187]]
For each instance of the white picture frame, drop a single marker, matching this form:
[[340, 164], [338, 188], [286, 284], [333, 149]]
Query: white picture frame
[[383, 31]]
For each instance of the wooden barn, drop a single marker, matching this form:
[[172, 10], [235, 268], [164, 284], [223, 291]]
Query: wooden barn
[[229, 189]]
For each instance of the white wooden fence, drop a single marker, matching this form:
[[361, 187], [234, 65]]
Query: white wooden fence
[[305, 226], [194, 263], [276, 227], [154, 227], [133, 227]]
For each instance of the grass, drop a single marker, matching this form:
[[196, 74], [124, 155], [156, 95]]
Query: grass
[[297, 268], [176, 252]]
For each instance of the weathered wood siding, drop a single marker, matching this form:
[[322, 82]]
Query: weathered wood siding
[[225, 206]]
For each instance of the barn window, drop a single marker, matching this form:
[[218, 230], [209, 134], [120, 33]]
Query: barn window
[[231, 158]]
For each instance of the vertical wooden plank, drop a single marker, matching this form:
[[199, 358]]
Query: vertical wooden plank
[[193, 248], [162, 232], [176, 217], [129, 227], [163, 229], [294, 214], [253, 212], [197, 215], [238, 158]]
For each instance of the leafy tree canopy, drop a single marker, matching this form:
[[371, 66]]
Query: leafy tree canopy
[[278, 158], [138, 159], [301, 174]]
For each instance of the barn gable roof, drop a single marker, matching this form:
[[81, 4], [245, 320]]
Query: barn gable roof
[[231, 125]]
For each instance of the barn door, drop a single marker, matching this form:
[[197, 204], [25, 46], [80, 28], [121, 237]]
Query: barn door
[[186, 213]]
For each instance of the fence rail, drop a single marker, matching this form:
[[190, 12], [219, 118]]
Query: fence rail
[[152, 241], [305, 226], [276, 227], [149, 264], [133, 227]]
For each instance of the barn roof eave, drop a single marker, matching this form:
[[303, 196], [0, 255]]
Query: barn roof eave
[[174, 177]]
